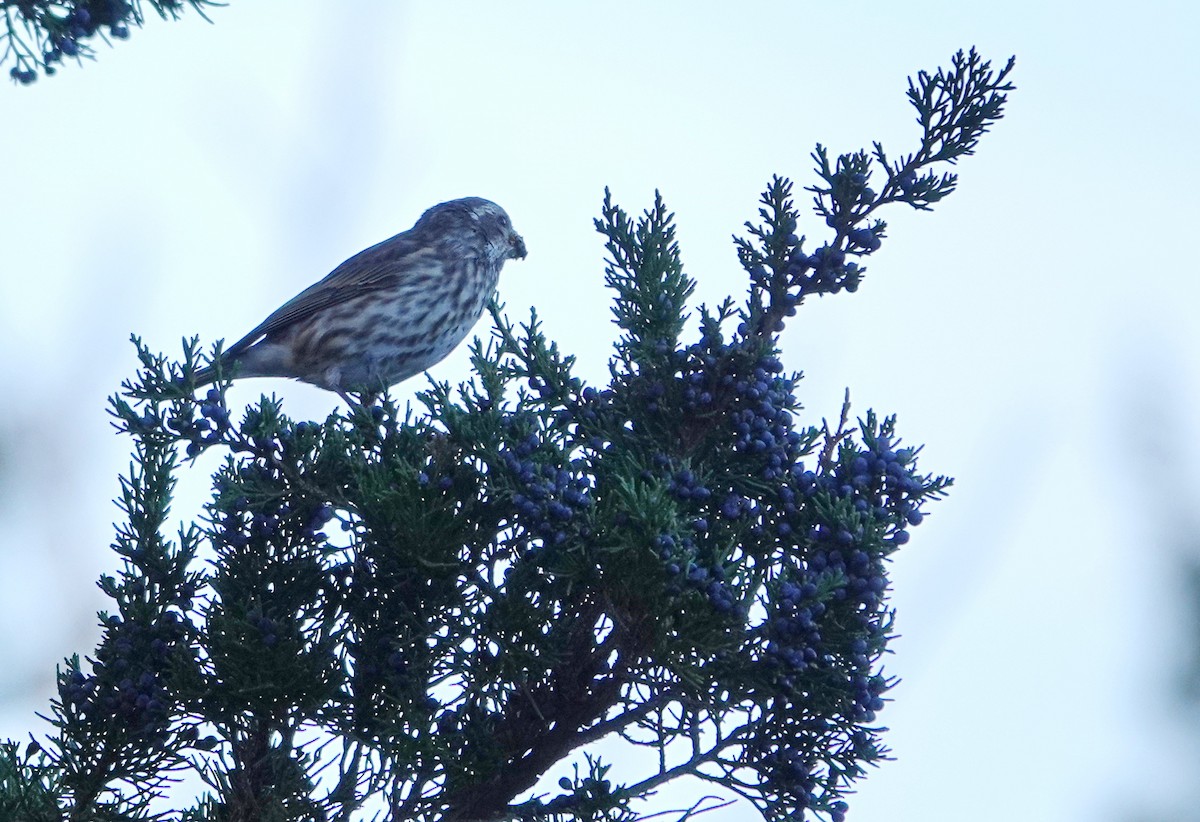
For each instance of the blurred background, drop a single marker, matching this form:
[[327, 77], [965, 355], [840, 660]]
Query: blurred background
[[1037, 331]]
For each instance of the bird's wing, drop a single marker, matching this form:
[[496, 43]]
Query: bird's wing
[[369, 270]]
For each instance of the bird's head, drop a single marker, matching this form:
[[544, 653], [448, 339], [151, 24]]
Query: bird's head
[[484, 219]]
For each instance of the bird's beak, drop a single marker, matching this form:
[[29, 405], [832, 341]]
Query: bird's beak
[[518, 246]]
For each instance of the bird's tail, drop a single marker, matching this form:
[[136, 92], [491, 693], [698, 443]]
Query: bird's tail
[[208, 374], [205, 375]]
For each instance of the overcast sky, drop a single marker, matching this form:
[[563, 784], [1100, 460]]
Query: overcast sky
[[1037, 331]]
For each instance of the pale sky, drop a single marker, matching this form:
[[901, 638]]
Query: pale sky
[[1036, 331]]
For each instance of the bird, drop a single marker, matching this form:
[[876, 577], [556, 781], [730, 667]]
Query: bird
[[389, 312]]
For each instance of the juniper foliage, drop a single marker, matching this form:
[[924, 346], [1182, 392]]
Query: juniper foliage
[[38, 35], [415, 617]]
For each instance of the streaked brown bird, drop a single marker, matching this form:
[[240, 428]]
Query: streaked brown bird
[[388, 312]]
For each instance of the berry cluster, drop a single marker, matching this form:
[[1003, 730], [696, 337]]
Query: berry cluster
[[685, 485], [780, 267], [588, 795], [128, 679], [209, 429], [591, 416], [755, 395], [833, 525], [882, 481], [762, 419], [787, 771], [379, 660], [867, 691], [850, 190], [548, 497], [843, 569], [444, 483], [823, 616], [65, 35], [147, 423], [589, 399], [684, 563], [793, 632], [687, 570], [825, 271], [836, 552], [864, 238], [320, 517], [240, 523], [24, 76], [836, 585], [268, 629]]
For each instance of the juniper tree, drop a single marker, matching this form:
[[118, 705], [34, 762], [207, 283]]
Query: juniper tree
[[414, 616]]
